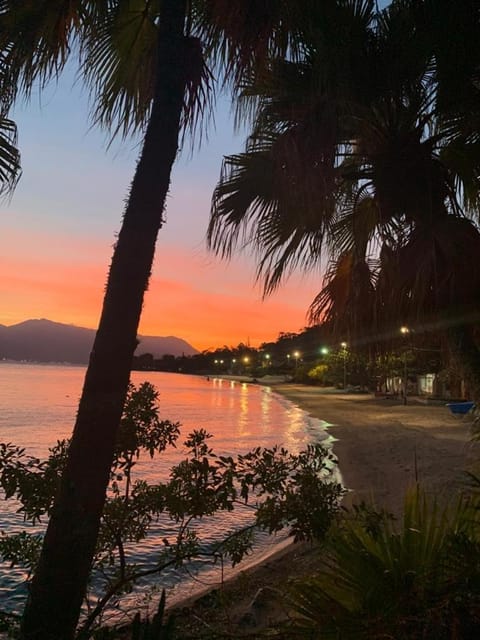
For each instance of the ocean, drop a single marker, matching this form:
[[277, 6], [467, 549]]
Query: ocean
[[38, 405]]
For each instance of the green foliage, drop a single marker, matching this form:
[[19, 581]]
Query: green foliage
[[282, 489], [235, 546], [32, 481], [318, 373], [141, 429], [294, 489], [417, 581], [21, 548]]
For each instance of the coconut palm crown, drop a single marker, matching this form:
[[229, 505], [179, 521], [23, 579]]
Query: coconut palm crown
[[359, 154]]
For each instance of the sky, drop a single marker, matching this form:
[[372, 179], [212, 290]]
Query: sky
[[57, 232]]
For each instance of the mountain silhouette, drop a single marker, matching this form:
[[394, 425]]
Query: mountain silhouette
[[47, 341]]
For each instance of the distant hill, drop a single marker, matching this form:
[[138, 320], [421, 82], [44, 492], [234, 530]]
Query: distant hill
[[47, 341]]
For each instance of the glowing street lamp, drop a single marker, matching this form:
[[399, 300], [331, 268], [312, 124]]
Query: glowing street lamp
[[296, 355], [404, 331], [344, 346]]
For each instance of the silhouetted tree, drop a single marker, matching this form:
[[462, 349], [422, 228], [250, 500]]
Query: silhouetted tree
[[368, 148], [146, 72]]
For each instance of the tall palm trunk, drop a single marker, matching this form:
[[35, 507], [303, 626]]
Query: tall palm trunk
[[466, 353], [60, 579]]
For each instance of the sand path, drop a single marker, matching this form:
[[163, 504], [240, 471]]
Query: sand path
[[383, 446]]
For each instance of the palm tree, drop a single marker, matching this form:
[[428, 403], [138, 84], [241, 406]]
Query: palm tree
[[9, 154], [59, 583], [356, 152], [144, 65], [281, 197]]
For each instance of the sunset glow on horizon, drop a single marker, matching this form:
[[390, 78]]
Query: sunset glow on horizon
[[208, 305], [58, 230]]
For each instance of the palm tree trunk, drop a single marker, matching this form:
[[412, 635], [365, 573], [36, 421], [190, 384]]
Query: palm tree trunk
[[466, 353], [60, 579]]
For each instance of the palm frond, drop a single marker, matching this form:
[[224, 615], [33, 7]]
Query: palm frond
[[462, 157], [119, 63], [432, 272], [395, 580], [119, 59], [39, 35], [9, 156], [243, 36], [346, 302], [276, 199]]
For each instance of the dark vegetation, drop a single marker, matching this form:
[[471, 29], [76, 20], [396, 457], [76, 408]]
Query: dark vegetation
[[312, 356], [281, 489]]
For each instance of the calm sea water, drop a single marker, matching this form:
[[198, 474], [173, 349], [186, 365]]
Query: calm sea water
[[38, 405]]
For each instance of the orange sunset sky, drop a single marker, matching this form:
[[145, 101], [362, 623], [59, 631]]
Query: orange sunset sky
[[58, 229]]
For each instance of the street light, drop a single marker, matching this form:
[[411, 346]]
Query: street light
[[344, 346], [296, 355], [404, 331]]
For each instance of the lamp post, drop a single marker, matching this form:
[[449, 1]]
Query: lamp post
[[296, 355], [404, 331], [344, 347]]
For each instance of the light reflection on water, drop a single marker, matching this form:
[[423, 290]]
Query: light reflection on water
[[38, 405]]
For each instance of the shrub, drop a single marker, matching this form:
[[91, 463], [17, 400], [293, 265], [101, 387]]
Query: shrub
[[283, 489], [417, 581]]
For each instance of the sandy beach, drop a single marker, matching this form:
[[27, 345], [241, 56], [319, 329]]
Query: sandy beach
[[383, 448]]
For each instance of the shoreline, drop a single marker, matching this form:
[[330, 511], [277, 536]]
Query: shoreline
[[383, 448]]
